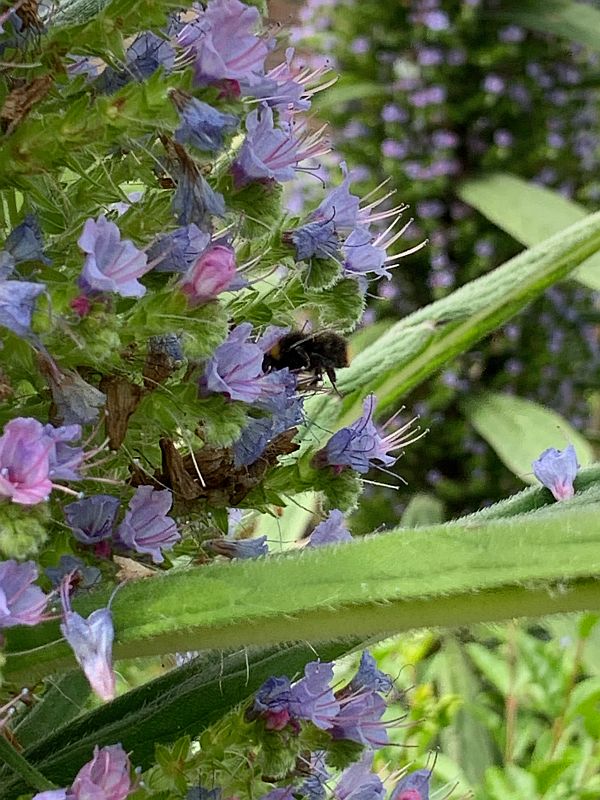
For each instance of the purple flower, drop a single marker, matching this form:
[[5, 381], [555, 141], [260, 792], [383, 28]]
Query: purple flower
[[111, 265], [287, 793], [105, 777], [315, 239], [359, 720], [92, 519], [235, 369], [65, 461], [201, 124], [362, 255], [51, 794], [272, 153], [272, 703], [311, 698], [414, 786], [360, 444], [25, 462], [557, 469], [213, 272], [340, 206], [278, 396], [17, 301], [144, 56], [223, 44], [84, 576], [493, 84], [314, 787], [239, 548], [25, 242], [146, 528], [333, 530], [91, 640], [359, 783], [21, 603], [178, 250], [370, 677]]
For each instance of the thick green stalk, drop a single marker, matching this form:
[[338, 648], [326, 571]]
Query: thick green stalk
[[467, 571]]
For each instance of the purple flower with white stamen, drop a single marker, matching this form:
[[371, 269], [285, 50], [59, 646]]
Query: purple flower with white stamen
[[201, 124], [359, 720], [92, 519], [414, 786], [361, 446], [17, 302], [179, 250], [271, 153], [311, 698], [359, 783], [333, 530], [111, 265], [223, 44], [557, 470], [21, 602], [91, 640], [146, 528]]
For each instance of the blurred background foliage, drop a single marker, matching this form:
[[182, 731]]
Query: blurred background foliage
[[433, 94]]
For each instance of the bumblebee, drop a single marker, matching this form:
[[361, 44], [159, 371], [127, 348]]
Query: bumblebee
[[313, 353]]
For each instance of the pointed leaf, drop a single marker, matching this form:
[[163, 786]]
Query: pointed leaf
[[520, 430], [529, 213]]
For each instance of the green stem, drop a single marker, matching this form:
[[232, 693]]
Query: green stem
[[22, 767]]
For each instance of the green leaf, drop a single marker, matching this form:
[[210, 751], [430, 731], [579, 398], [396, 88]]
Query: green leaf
[[417, 346], [529, 213], [422, 509], [376, 585], [468, 741], [183, 702], [520, 430], [578, 22]]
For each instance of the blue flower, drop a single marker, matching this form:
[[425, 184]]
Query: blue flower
[[315, 786], [144, 56], [360, 444], [414, 786], [239, 548], [92, 519], [359, 783], [235, 369], [359, 720], [557, 469], [202, 125], [316, 239], [195, 201], [370, 677], [179, 250], [17, 302], [85, 576], [25, 242], [311, 698], [333, 530]]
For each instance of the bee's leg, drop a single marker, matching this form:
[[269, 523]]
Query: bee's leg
[[333, 377]]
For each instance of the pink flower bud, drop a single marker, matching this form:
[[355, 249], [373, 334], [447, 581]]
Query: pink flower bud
[[105, 777], [211, 274]]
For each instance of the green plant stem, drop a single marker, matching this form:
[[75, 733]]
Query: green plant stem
[[22, 767]]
